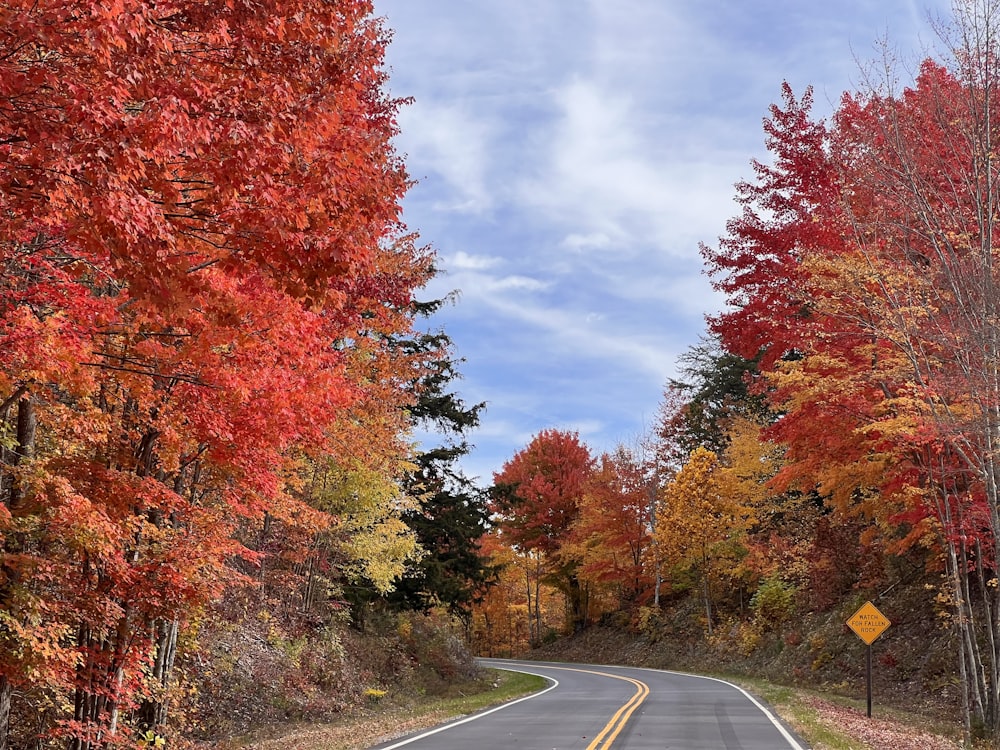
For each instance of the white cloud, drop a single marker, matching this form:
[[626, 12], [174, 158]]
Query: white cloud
[[518, 283], [677, 289], [589, 338], [616, 187], [478, 288], [592, 241], [453, 143], [462, 261], [509, 431], [586, 427]]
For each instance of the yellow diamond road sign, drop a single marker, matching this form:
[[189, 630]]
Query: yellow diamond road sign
[[868, 623]]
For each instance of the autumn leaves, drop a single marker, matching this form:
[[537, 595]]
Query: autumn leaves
[[862, 274], [618, 532], [204, 285]]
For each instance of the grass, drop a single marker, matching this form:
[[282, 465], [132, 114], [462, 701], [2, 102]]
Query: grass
[[394, 719], [507, 686], [798, 708], [787, 703]]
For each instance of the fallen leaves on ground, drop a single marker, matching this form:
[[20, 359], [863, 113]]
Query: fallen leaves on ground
[[877, 733], [350, 734]]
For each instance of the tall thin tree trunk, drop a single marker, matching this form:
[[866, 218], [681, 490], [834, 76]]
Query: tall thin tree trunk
[[706, 590], [6, 693], [153, 712], [538, 599], [963, 677], [531, 614], [972, 689], [27, 426], [657, 568]]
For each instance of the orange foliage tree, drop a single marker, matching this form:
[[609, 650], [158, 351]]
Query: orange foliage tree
[[611, 536], [517, 609], [536, 498]]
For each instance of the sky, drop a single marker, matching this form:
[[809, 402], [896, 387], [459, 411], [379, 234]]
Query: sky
[[571, 155]]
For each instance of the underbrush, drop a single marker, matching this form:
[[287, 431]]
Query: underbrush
[[393, 719], [242, 679]]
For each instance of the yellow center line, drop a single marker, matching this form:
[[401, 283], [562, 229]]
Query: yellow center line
[[614, 727]]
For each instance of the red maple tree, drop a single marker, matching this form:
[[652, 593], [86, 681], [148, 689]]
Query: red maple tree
[[200, 209]]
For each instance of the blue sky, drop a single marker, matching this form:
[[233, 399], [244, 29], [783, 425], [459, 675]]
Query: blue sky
[[571, 155]]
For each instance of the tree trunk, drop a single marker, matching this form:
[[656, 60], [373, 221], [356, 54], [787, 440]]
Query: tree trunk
[[706, 590], [27, 426], [538, 599], [971, 691], [531, 614], [657, 570], [153, 712], [6, 692], [578, 606]]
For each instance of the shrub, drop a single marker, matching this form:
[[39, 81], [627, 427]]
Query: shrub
[[648, 621], [774, 600]]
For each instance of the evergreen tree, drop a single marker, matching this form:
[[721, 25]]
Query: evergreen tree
[[452, 515], [716, 385]]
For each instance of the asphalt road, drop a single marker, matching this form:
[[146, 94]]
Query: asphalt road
[[589, 707]]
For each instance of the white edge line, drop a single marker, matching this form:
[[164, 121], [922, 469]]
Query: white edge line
[[781, 727], [481, 714]]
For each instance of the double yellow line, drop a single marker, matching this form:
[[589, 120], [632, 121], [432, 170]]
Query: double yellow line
[[614, 727]]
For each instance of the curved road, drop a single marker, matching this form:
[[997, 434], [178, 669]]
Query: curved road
[[590, 707]]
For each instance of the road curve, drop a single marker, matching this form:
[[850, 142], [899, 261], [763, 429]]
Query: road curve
[[592, 707]]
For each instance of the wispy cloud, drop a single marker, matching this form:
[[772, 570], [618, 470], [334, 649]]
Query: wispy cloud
[[452, 143], [465, 262]]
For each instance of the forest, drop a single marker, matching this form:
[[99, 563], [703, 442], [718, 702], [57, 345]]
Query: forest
[[214, 356]]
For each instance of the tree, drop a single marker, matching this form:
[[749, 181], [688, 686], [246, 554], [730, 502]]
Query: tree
[[700, 511], [202, 262], [863, 268], [451, 517], [449, 524], [611, 536], [717, 388], [517, 609], [537, 496]]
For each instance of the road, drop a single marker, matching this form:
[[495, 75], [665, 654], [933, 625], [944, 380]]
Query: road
[[589, 707]]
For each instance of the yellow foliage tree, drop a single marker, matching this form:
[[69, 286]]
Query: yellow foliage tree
[[701, 511], [371, 539], [513, 612]]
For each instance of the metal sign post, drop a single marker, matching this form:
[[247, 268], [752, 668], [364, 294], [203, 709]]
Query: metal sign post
[[868, 624], [868, 680]]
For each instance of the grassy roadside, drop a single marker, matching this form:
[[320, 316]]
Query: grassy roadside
[[828, 722], [824, 722], [393, 716]]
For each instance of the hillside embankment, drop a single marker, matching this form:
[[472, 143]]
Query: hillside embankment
[[810, 666]]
